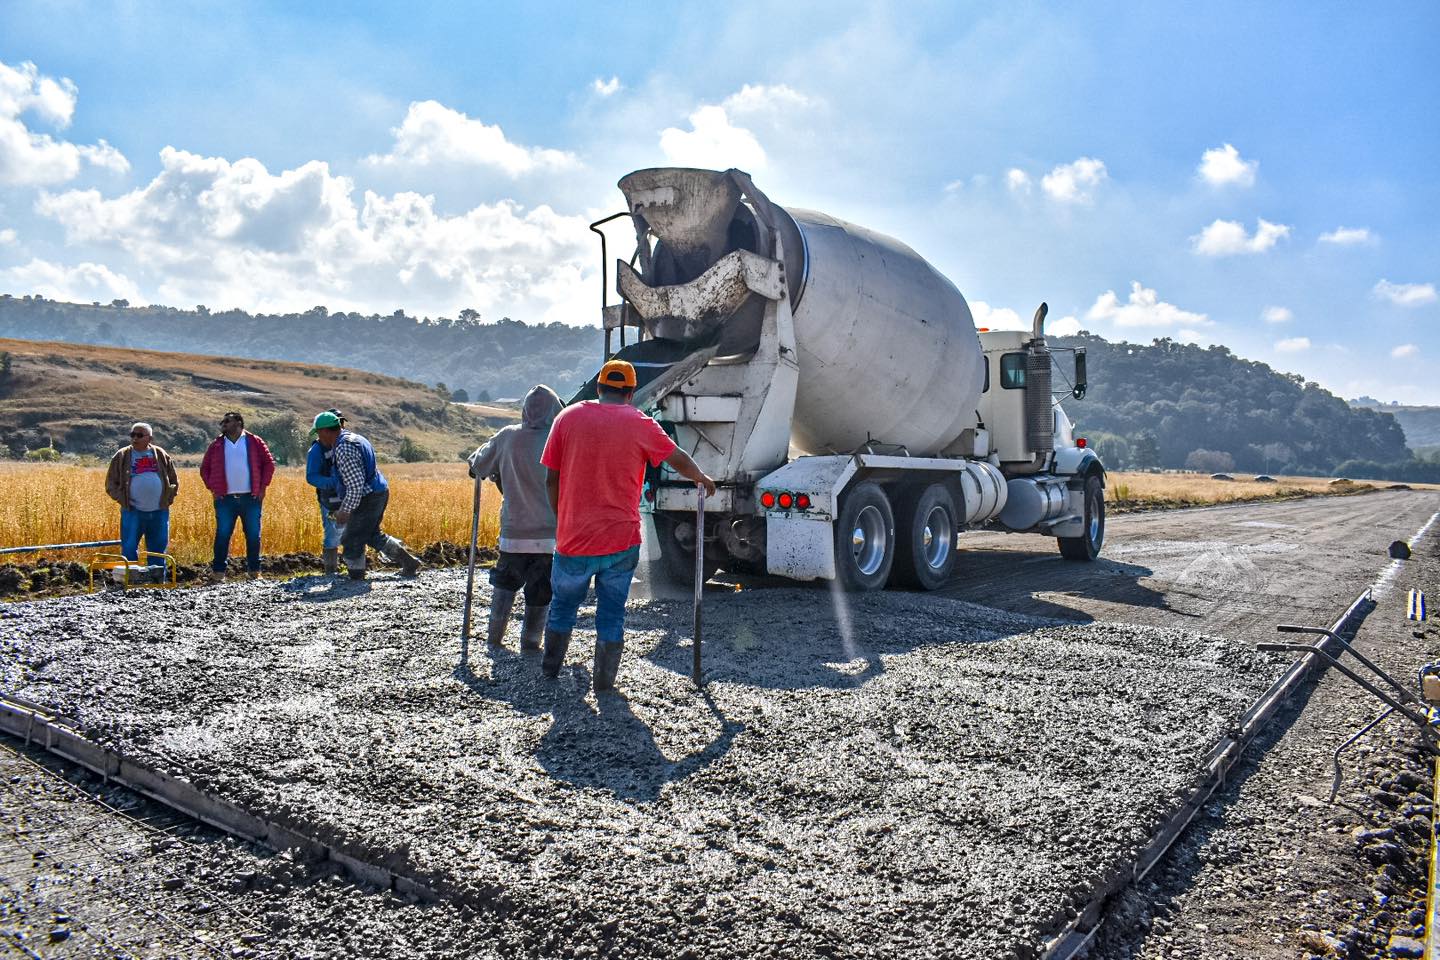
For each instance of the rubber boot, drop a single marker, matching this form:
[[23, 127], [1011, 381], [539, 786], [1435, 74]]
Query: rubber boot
[[356, 573], [332, 561], [533, 626], [556, 643], [409, 563], [500, 603], [607, 665]]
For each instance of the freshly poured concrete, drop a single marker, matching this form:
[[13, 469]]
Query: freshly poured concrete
[[877, 775]]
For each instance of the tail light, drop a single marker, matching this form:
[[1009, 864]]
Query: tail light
[[786, 501], [803, 501], [767, 499], [1080, 442]]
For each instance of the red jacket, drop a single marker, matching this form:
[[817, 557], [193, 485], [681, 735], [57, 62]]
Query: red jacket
[[262, 465]]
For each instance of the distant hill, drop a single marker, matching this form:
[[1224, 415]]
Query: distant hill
[[1421, 424], [84, 398], [1176, 399], [501, 359], [1162, 404]]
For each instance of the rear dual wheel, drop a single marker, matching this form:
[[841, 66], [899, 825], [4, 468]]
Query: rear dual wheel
[[911, 544]]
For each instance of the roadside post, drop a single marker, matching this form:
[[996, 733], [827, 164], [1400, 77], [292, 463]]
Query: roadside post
[[470, 574], [699, 578]]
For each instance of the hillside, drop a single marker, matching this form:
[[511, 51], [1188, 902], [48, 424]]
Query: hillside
[[1162, 404], [501, 359], [86, 397], [1421, 424], [1164, 401]]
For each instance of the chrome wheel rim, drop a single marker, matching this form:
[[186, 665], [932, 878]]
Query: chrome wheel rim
[[1096, 518], [938, 537], [869, 541]]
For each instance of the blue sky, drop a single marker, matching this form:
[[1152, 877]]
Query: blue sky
[[1266, 176]]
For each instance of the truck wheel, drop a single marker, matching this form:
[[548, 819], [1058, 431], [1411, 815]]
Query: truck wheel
[[864, 538], [1087, 546], [677, 551], [926, 522]]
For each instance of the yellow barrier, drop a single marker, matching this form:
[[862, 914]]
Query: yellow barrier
[[115, 561]]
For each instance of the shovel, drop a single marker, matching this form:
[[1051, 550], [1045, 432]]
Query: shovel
[[470, 575], [699, 579]]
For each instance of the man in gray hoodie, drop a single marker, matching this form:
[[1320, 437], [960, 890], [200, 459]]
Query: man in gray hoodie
[[511, 459]]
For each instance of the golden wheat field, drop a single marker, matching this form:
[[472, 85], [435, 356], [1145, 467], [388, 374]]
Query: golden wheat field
[[1141, 491], [49, 503]]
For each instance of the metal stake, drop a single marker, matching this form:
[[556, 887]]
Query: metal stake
[[699, 578], [470, 574]]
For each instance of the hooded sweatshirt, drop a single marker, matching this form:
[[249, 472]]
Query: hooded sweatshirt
[[511, 458]]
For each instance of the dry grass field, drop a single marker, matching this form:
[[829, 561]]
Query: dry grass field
[[47, 503], [1152, 491]]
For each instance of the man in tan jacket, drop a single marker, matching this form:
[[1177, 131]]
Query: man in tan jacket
[[142, 480]]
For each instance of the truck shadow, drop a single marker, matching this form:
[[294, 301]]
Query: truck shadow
[[773, 633], [599, 745]]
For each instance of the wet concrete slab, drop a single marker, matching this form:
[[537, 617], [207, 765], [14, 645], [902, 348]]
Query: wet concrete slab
[[876, 775]]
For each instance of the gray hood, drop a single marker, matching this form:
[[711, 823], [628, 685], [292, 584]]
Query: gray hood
[[542, 405]]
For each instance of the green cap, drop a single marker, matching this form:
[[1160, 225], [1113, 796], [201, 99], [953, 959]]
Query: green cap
[[324, 420]]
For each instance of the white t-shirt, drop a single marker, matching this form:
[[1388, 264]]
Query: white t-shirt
[[146, 484], [237, 464]]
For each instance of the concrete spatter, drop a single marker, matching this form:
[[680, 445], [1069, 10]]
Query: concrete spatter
[[945, 780]]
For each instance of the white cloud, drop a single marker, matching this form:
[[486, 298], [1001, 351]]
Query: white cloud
[[1348, 236], [954, 186], [1404, 350], [755, 98], [1277, 314], [712, 141], [82, 283], [1066, 326], [1223, 166], [606, 88], [1405, 294], [1074, 182], [996, 318], [7, 237], [716, 140], [1143, 309], [1189, 336], [1293, 344], [1227, 238], [232, 233], [28, 158], [1017, 180], [432, 133]]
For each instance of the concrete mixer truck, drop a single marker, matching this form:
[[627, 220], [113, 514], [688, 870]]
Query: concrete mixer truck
[[834, 385]]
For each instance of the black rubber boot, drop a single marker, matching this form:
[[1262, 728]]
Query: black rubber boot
[[532, 628], [556, 643], [607, 665], [356, 573], [332, 561], [501, 601]]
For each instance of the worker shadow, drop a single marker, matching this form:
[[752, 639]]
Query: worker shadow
[[318, 588], [591, 744]]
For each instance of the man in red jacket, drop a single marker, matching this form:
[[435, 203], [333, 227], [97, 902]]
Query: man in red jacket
[[237, 469]]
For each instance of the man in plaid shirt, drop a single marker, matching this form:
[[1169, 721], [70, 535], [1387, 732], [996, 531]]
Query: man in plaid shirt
[[364, 494]]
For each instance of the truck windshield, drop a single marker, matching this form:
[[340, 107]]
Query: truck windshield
[[1012, 371]]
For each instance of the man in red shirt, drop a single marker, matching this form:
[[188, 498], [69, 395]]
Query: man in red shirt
[[595, 460]]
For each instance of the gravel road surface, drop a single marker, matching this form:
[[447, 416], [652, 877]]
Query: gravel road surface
[[884, 775]]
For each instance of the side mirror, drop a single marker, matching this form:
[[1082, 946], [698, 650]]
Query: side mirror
[[1078, 391]]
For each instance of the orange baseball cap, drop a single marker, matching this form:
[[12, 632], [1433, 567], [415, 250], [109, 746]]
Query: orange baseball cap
[[618, 374]]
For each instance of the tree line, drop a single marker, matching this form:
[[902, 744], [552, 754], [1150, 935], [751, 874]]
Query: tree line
[[1159, 405]]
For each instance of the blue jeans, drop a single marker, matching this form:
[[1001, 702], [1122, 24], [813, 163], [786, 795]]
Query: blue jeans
[[570, 581], [329, 532], [153, 525], [245, 508]]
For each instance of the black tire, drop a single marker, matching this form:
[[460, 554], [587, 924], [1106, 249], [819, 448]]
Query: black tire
[[1086, 547], [864, 538], [927, 522], [678, 561]]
